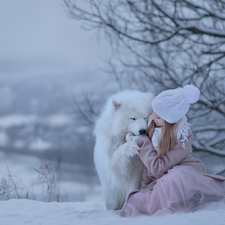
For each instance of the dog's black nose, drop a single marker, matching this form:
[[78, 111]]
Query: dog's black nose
[[142, 131]]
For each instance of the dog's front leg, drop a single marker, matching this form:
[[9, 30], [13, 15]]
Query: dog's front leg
[[123, 157]]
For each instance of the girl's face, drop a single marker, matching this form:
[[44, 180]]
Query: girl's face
[[159, 122]]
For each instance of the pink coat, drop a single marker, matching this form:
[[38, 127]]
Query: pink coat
[[176, 181], [156, 167]]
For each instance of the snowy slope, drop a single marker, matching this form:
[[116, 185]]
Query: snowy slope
[[22, 212], [91, 211]]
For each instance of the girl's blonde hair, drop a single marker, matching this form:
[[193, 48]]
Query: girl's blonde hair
[[168, 138]]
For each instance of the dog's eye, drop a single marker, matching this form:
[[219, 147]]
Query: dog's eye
[[146, 118], [132, 118]]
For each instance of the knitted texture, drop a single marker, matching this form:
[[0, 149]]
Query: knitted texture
[[171, 105]]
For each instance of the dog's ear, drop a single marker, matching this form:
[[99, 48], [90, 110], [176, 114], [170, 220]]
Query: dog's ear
[[116, 105]]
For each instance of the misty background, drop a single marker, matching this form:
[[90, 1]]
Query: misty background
[[47, 61]]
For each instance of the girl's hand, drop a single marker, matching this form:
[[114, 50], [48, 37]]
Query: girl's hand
[[144, 139]]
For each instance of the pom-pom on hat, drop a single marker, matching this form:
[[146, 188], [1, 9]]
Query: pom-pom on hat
[[172, 105]]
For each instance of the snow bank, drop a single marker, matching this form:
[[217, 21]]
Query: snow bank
[[88, 213]]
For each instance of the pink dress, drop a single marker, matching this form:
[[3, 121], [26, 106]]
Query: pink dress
[[175, 182]]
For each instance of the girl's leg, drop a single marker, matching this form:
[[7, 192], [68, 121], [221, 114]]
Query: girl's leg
[[182, 188], [140, 203]]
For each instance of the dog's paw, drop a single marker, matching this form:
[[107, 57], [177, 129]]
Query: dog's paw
[[131, 148], [131, 137]]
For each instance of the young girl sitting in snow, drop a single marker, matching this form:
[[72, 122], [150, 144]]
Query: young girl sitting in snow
[[173, 179]]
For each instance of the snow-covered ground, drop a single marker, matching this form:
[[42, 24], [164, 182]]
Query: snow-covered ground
[[87, 206], [22, 212], [84, 204]]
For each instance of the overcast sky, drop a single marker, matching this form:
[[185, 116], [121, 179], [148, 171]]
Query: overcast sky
[[38, 35]]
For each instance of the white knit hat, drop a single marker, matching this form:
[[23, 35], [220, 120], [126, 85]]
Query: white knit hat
[[172, 105]]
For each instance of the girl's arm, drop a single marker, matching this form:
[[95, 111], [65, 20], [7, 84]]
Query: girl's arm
[[146, 179], [159, 166]]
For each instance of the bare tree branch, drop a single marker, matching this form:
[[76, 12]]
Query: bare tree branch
[[165, 44]]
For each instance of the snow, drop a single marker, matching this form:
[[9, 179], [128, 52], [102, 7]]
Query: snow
[[58, 120], [3, 138], [90, 211], [40, 145], [15, 126], [84, 213], [21, 167], [83, 129], [55, 120], [16, 120]]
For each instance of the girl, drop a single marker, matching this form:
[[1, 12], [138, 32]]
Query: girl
[[173, 179]]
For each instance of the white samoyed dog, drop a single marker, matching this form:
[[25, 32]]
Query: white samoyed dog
[[115, 155]]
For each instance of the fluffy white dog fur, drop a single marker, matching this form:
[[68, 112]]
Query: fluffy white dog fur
[[116, 160]]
